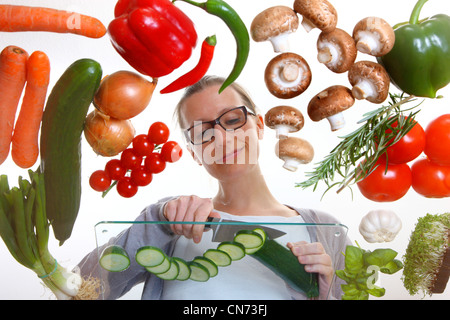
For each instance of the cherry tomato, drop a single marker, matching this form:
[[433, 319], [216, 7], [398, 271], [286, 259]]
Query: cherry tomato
[[158, 133], [115, 169], [437, 134], [100, 180], [409, 147], [126, 188], [141, 176], [386, 186], [154, 163], [431, 180], [130, 160], [171, 151], [142, 145]]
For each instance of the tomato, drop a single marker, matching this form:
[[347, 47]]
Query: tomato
[[437, 134], [142, 145], [126, 188], [154, 163], [115, 169], [141, 176], [386, 186], [409, 147], [431, 180], [130, 160], [171, 151], [100, 180], [158, 133]]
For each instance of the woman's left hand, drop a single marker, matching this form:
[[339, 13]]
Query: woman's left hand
[[315, 259]]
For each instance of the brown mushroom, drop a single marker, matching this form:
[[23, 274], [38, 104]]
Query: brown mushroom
[[284, 119], [294, 151], [370, 81], [275, 24], [337, 50], [316, 14], [374, 36], [329, 104], [287, 75]]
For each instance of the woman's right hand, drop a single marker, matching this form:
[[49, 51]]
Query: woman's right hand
[[189, 208]]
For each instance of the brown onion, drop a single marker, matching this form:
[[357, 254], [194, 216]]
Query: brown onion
[[124, 94], [106, 135]]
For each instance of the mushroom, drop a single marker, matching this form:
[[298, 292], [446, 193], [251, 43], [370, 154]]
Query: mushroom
[[284, 119], [316, 14], [329, 104], [370, 81], [337, 50], [275, 24], [294, 151], [287, 75], [374, 36]]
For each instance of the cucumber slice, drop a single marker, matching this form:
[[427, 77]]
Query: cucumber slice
[[234, 249], [209, 264], [114, 258], [219, 257], [261, 232], [184, 272], [149, 256], [249, 239], [172, 273], [198, 272], [161, 268], [264, 237]]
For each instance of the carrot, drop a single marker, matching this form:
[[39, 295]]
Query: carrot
[[25, 146], [24, 18], [13, 72]]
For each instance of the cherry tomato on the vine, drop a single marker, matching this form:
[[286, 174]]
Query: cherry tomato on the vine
[[171, 151], [115, 169], [141, 176], [430, 180], [130, 160], [126, 188], [158, 133], [155, 163], [437, 133], [142, 145], [100, 180]]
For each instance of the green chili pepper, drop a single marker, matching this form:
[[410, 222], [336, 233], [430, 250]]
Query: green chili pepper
[[419, 62], [225, 12]]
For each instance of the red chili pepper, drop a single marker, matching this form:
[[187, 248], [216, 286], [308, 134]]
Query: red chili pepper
[[200, 69], [153, 36]]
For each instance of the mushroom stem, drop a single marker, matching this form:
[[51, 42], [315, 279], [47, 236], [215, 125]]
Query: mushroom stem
[[291, 164], [368, 42], [282, 131], [307, 24], [337, 121], [290, 72], [363, 89], [327, 54], [280, 42]]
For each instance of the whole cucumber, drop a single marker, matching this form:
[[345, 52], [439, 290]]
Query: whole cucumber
[[60, 143]]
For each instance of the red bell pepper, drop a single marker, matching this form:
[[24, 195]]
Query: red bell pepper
[[153, 36]]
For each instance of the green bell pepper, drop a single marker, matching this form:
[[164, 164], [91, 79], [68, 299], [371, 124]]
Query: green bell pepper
[[419, 62]]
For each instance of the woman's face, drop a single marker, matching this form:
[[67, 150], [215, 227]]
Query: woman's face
[[228, 153]]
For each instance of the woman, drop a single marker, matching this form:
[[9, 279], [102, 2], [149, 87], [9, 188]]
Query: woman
[[222, 133]]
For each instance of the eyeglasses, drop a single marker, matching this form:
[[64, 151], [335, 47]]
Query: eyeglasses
[[231, 120]]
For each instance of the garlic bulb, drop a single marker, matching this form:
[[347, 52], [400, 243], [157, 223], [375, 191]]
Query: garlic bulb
[[380, 226]]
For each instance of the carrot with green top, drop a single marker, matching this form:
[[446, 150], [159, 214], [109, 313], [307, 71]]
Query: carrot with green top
[[14, 18], [25, 145]]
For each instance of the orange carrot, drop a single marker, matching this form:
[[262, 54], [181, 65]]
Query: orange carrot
[[13, 62], [25, 146], [24, 18]]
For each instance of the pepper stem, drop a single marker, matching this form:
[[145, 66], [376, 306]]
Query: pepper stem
[[414, 19], [197, 4]]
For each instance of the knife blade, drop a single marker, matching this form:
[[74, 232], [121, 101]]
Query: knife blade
[[225, 230]]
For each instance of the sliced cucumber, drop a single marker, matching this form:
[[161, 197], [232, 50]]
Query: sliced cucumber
[[172, 273], [264, 237], [219, 257], [198, 272], [234, 249], [161, 268], [114, 258], [249, 239], [209, 264], [184, 272], [149, 256]]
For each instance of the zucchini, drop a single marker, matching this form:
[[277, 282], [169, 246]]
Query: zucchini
[[172, 273], [262, 233], [219, 257], [234, 249], [198, 272], [60, 143], [114, 258], [249, 239], [161, 268], [208, 264], [149, 256], [184, 272]]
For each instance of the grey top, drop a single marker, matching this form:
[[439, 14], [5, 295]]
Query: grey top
[[117, 284]]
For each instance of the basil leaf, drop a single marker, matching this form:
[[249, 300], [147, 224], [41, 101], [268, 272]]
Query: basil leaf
[[380, 257]]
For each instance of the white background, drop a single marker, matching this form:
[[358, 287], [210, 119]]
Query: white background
[[185, 176]]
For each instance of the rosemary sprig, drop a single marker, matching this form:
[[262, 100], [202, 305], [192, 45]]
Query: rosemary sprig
[[364, 145]]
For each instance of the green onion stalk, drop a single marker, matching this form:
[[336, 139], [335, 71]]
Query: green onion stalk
[[24, 228]]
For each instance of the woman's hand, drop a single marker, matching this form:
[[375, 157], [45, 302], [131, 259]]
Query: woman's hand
[[189, 208], [315, 259]]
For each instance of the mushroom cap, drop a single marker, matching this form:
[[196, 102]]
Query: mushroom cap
[[320, 13], [337, 50], [272, 22], [370, 81], [294, 151], [287, 75], [329, 102], [374, 36], [286, 118]]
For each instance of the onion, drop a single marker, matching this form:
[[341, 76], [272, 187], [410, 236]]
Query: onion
[[124, 94], [106, 135]]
